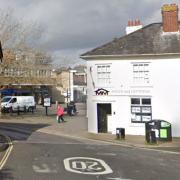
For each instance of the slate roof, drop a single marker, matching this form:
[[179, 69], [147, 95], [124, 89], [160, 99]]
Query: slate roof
[[147, 41]]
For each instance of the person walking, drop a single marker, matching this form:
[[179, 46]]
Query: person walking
[[60, 113]]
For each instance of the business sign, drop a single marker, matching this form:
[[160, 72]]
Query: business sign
[[101, 92], [85, 165], [47, 102]]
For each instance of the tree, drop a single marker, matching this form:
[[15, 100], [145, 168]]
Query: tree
[[22, 37], [23, 57]]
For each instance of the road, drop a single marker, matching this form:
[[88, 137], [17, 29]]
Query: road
[[40, 156]]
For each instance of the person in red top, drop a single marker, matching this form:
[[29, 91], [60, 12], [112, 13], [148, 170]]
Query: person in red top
[[60, 113]]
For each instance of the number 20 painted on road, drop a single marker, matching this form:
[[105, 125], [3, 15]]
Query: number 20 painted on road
[[85, 165]]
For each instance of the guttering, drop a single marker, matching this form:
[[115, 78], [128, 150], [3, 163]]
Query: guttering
[[130, 56]]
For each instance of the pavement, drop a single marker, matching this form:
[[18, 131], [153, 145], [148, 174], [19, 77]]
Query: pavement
[[76, 127]]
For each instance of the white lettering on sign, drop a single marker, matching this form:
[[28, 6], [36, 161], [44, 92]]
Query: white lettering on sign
[[85, 165]]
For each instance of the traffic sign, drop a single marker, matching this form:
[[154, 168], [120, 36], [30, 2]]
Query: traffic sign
[[86, 165]]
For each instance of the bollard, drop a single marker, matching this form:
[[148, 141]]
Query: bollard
[[24, 108], [32, 110], [18, 110]]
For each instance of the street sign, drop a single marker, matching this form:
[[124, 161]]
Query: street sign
[[85, 165], [47, 102]]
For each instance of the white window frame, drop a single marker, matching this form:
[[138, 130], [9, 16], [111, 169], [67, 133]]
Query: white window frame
[[141, 73], [103, 74]]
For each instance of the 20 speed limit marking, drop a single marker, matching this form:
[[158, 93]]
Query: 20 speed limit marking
[[86, 165]]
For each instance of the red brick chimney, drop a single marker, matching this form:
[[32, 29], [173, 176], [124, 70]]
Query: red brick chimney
[[133, 25], [170, 18]]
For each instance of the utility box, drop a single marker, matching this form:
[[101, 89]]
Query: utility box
[[158, 130]]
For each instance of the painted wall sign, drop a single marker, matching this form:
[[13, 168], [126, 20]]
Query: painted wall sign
[[101, 92], [85, 165], [131, 92]]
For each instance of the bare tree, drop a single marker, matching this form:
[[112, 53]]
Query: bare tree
[[22, 57], [22, 37]]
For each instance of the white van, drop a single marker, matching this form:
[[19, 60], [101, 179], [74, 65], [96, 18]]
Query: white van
[[18, 102]]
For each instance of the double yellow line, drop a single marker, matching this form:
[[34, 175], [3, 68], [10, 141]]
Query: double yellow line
[[7, 153]]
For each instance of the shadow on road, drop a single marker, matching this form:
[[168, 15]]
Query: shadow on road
[[5, 174], [20, 131]]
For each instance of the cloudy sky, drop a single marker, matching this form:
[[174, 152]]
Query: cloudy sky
[[72, 27]]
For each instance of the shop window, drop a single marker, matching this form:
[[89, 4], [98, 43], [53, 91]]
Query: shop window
[[141, 110]]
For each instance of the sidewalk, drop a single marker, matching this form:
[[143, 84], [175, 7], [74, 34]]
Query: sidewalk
[[76, 126]]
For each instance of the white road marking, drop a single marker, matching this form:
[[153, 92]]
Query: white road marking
[[120, 179], [7, 153], [44, 168], [86, 165], [107, 154]]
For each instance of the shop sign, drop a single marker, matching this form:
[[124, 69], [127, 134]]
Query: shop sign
[[101, 92]]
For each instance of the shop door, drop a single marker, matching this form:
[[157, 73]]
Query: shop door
[[102, 111]]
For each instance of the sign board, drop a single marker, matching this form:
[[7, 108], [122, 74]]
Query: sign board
[[101, 92], [47, 102]]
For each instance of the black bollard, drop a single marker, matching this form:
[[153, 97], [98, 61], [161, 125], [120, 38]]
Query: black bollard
[[18, 110], [46, 110], [24, 108]]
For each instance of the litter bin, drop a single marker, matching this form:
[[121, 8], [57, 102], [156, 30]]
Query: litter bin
[[158, 130], [120, 133], [165, 133]]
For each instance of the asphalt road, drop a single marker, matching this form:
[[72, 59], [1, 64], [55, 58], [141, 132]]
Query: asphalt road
[[48, 157]]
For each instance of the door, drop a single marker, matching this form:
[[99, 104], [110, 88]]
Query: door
[[14, 104], [103, 109]]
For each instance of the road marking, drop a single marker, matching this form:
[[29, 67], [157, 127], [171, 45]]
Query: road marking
[[86, 165], [107, 154], [120, 179], [44, 168], [7, 153]]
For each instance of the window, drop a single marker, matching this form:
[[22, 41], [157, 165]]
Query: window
[[141, 110], [104, 74], [141, 73], [135, 101]]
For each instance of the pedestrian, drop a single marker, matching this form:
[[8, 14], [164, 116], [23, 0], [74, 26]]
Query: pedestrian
[[60, 113]]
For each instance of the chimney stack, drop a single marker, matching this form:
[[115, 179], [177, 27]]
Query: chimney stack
[[170, 18], [133, 26]]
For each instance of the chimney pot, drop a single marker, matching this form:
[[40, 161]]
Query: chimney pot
[[129, 23], [170, 18], [133, 25]]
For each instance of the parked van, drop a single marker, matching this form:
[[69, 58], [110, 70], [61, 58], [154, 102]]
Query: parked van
[[14, 103]]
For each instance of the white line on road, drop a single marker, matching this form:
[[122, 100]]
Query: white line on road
[[120, 179], [107, 154]]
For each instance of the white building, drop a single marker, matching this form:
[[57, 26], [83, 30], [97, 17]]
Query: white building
[[134, 79]]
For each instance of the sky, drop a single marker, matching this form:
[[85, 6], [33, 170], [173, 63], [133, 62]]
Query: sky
[[73, 27]]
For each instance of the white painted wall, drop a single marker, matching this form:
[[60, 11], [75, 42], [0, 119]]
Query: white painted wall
[[164, 89], [166, 92]]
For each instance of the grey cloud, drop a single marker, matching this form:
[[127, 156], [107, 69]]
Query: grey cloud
[[82, 24]]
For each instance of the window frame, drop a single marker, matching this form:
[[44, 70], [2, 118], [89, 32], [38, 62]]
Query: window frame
[[140, 111], [141, 73], [104, 74]]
